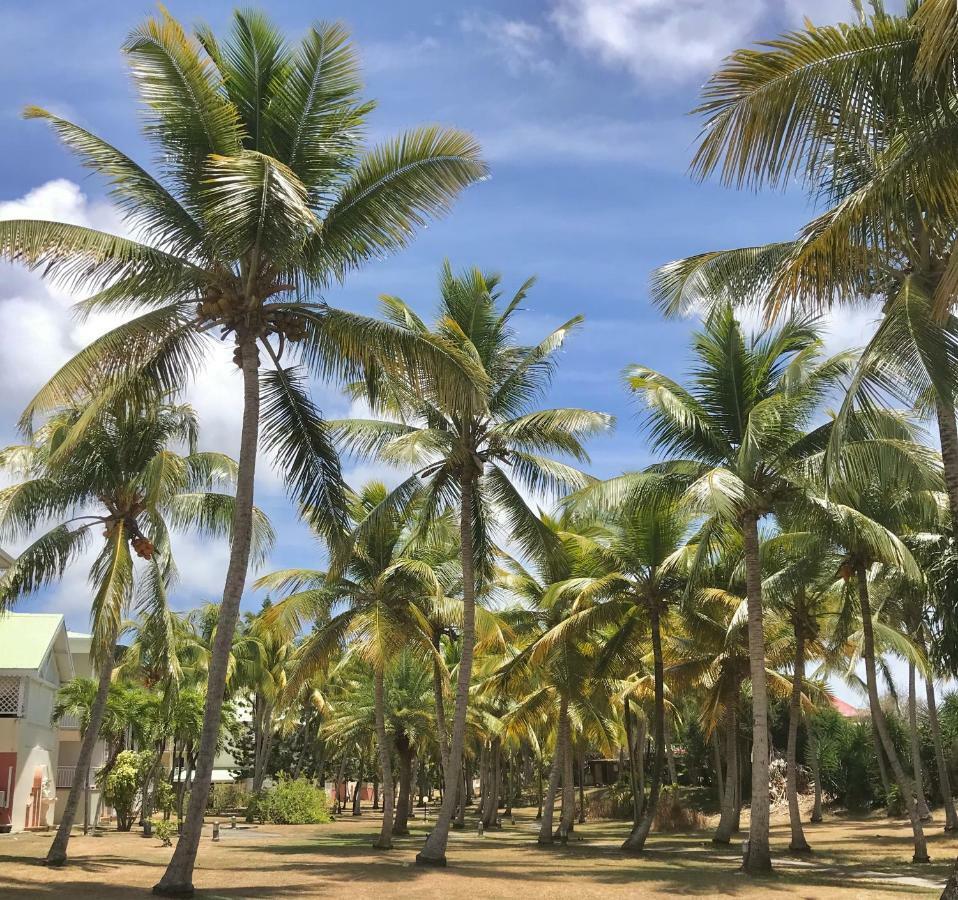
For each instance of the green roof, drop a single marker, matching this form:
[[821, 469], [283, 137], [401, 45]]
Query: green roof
[[25, 638]]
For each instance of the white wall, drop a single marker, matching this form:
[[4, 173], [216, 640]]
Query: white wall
[[34, 741]]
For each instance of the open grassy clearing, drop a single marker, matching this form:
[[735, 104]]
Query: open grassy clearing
[[319, 861]]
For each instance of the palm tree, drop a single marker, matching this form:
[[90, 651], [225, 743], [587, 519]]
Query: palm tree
[[740, 435], [868, 512], [472, 450], [77, 699], [845, 112], [645, 556], [123, 476], [549, 672], [380, 584], [267, 195]]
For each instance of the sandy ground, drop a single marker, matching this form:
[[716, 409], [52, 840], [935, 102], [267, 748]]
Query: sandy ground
[[854, 858]]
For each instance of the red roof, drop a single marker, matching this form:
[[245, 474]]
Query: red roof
[[846, 709]]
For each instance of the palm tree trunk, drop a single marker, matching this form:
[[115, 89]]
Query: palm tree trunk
[[438, 690], [177, 881], [491, 813], [567, 818], [385, 840], [944, 779], [635, 842], [57, 854], [548, 804], [948, 435], [582, 786], [460, 821], [882, 765], [728, 820], [913, 739], [405, 790], [878, 718], [798, 843], [434, 850], [717, 753], [358, 791], [510, 784], [816, 773], [633, 780], [670, 754], [758, 856], [539, 789]]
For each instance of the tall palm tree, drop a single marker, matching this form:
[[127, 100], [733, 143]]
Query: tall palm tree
[[736, 439], [125, 477], [868, 511], [370, 606], [472, 451], [645, 556], [550, 671], [266, 196], [77, 699]]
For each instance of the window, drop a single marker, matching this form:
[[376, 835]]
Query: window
[[11, 697]]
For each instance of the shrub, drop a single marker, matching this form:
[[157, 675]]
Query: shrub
[[227, 797], [164, 798], [122, 787], [164, 831], [672, 814], [291, 802]]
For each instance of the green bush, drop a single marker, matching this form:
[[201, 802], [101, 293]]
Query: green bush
[[164, 831], [291, 802], [122, 787], [164, 798], [227, 797]]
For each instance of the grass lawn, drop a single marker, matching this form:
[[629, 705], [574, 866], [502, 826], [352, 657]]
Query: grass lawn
[[855, 857]]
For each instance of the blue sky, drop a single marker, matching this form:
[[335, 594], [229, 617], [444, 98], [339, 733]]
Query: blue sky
[[582, 109]]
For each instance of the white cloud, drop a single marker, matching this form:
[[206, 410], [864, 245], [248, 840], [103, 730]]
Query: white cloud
[[588, 139], [517, 43], [667, 41], [657, 40]]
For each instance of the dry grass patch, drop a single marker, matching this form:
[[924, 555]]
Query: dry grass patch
[[854, 858]]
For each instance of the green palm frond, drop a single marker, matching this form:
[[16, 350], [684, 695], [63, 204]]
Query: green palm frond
[[297, 436]]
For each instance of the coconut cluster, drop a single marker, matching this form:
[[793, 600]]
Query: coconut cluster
[[142, 546], [231, 313]]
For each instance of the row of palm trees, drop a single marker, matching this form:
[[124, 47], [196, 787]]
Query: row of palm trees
[[266, 195]]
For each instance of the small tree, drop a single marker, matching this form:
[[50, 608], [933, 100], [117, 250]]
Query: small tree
[[122, 787]]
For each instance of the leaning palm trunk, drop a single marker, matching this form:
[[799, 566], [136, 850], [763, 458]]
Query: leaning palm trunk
[[878, 718], [57, 854], [757, 854], [385, 841], [555, 774], [913, 739], [178, 878], [434, 850], [944, 778], [635, 842], [798, 843]]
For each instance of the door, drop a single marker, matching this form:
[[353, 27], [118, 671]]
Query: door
[[8, 779]]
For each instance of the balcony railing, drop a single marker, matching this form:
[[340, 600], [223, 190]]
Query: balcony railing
[[66, 774], [69, 722]]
